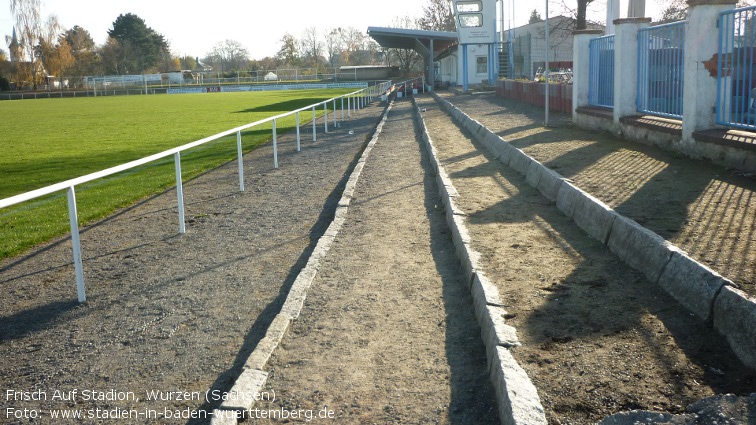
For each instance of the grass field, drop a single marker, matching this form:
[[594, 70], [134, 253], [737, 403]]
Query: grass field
[[48, 141]]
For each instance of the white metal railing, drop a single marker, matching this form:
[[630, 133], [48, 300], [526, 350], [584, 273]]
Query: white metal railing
[[349, 102]]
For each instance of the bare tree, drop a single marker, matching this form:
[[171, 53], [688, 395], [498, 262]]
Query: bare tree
[[334, 44], [408, 60], [311, 46], [353, 41], [230, 55], [582, 13], [28, 24], [437, 16], [288, 52]]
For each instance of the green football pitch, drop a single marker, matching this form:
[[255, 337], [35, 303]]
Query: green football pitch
[[48, 141]]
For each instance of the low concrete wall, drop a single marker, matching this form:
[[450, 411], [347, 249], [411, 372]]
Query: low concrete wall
[[701, 290]]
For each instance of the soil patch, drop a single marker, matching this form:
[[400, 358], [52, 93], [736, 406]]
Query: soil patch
[[597, 337]]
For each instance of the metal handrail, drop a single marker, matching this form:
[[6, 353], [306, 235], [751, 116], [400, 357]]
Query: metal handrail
[[355, 100]]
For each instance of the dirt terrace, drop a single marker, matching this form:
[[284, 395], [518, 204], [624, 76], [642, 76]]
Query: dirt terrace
[[597, 337]]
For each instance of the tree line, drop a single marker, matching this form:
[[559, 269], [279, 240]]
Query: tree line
[[38, 48]]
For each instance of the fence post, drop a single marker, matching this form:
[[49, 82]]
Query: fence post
[[342, 108], [349, 106], [314, 126], [325, 117], [73, 217], [180, 192], [275, 146], [700, 90], [241, 160], [335, 124], [581, 65], [626, 65], [298, 137]]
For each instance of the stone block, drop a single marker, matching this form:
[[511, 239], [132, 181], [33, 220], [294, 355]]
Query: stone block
[[692, 284], [484, 293], [516, 395], [550, 184], [567, 198], [735, 317], [496, 145], [639, 247], [595, 217], [520, 162], [259, 357], [225, 417], [247, 388]]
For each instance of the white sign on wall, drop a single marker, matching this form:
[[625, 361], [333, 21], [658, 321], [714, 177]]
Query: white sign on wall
[[476, 21]]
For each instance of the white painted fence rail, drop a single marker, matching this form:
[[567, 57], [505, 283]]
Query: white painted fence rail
[[355, 100]]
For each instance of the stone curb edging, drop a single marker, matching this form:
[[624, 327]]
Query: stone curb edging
[[701, 290], [252, 379], [517, 398]]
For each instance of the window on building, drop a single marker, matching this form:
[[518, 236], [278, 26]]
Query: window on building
[[481, 65], [469, 6], [471, 20]]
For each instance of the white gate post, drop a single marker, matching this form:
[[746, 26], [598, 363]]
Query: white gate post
[[73, 217], [700, 89], [241, 160], [325, 118], [298, 137], [335, 115], [275, 146], [314, 126], [179, 192]]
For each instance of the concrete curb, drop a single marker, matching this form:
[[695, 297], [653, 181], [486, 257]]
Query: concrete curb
[[517, 398], [253, 378], [701, 290]]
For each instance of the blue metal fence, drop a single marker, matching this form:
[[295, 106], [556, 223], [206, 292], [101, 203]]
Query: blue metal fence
[[736, 73], [661, 70], [601, 89]]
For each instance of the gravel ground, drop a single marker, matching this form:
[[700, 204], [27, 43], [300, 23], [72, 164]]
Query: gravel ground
[[597, 337], [387, 334], [706, 210], [169, 312]]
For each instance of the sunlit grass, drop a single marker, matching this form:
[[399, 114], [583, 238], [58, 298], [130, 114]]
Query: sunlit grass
[[48, 141]]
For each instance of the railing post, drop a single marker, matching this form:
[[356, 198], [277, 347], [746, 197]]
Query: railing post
[[298, 137], [342, 109], [349, 106], [73, 217], [314, 126], [335, 115], [325, 118], [275, 146], [241, 160], [180, 192]]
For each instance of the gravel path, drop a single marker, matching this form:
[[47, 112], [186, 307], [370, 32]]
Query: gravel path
[[168, 312], [704, 209], [387, 333], [597, 337]]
